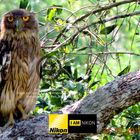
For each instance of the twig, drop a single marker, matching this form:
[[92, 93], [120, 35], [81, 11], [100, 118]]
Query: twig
[[106, 53], [94, 12], [104, 8], [71, 38]]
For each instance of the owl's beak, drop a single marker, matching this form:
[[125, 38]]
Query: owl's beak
[[18, 25]]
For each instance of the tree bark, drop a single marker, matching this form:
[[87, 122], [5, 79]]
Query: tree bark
[[106, 102]]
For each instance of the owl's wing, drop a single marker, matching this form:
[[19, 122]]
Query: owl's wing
[[5, 60]]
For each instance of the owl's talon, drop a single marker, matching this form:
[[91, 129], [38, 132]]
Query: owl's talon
[[24, 114], [9, 123]]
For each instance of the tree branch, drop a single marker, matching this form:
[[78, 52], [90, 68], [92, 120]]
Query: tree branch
[[106, 102], [106, 53]]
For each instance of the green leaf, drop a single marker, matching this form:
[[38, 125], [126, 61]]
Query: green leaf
[[68, 69], [93, 84], [129, 125], [53, 11], [23, 4], [55, 101], [125, 70], [108, 30], [79, 79], [29, 7], [135, 109], [70, 85], [80, 87], [41, 103], [45, 85], [75, 75], [51, 14], [87, 79], [59, 9], [82, 49], [105, 138], [113, 123]]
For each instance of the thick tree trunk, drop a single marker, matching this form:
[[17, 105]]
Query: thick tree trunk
[[106, 102]]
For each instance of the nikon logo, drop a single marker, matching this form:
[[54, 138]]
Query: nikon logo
[[57, 130], [58, 123], [72, 123]]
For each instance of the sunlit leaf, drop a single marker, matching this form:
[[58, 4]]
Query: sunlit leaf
[[66, 49], [59, 9], [51, 14]]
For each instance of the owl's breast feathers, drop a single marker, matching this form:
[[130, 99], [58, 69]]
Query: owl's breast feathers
[[19, 77]]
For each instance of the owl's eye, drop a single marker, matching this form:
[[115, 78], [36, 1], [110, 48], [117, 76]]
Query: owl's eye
[[25, 18], [10, 18]]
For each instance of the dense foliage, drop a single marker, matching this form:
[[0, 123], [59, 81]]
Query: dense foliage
[[86, 44]]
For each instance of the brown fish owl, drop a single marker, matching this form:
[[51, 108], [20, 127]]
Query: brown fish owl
[[19, 64]]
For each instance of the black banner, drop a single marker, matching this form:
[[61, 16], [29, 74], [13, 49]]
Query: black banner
[[82, 123]]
